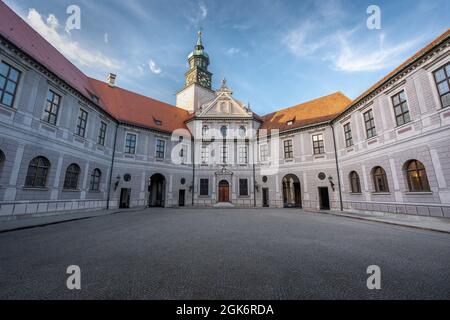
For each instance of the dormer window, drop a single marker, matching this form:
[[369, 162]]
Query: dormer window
[[290, 122], [95, 98], [157, 122]]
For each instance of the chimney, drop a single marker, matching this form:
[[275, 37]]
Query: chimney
[[111, 80]]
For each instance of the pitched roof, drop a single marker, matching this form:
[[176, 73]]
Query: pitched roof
[[19, 33], [308, 113], [132, 108]]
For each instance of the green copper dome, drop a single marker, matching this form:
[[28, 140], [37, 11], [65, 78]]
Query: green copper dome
[[199, 49]]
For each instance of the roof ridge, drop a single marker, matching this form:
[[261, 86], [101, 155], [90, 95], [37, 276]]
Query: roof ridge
[[309, 101], [136, 93]]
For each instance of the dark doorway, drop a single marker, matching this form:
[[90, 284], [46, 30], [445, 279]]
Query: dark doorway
[[224, 191], [292, 197], [324, 198], [125, 195], [181, 198], [157, 190], [265, 196]]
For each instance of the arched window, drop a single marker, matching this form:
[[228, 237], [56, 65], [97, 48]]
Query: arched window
[[242, 131], [355, 184], [71, 178], [224, 131], [37, 173], [380, 180], [416, 176], [205, 130], [95, 179]]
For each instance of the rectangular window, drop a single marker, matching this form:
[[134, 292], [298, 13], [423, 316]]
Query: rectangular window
[[348, 135], [318, 146], [442, 78], [130, 143], [51, 107], [401, 108], [205, 155], [288, 150], [264, 153], [224, 155], [82, 122], [204, 187], [102, 134], [160, 148], [9, 79], [370, 124], [243, 187], [243, 155]]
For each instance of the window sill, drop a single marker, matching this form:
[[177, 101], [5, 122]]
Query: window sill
[[243, 197], [159, 159], [355, 193], [403, 125], [35, 189], [381, 193], [7, 107], [418, 193], [70, 190], [204, 197], [95, 191]]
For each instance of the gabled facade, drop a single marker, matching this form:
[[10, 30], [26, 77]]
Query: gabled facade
[[69, 142]]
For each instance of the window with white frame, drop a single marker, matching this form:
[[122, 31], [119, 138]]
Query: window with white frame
[[264, 152], [243, 155], [160, 148], [205, 155], [318, 144], [442, 78], [348, 135], [224, 154], [51, 107], [130, 143], [9, 80], [82, 123]]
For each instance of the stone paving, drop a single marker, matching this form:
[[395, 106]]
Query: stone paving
[[224, 254]]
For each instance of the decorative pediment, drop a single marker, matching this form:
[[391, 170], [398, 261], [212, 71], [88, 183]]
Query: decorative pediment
[[223, 172], [224, 105]]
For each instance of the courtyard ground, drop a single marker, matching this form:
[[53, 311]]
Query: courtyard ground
[[224, 254]]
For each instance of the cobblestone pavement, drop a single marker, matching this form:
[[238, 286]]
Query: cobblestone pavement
[[224, 254]]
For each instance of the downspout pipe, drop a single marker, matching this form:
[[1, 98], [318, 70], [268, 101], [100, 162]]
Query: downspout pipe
[[193, 169], [108, 197], [337, 168]]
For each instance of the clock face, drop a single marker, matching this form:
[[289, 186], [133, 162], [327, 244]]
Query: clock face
[[204, 79]]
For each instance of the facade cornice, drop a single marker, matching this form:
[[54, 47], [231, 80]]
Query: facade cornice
[[23, 56], [397, 77]]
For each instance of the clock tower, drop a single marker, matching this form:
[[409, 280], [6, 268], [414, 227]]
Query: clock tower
[[198, 80], [198, 66]]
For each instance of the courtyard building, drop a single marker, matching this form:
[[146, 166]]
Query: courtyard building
[[69, 142]]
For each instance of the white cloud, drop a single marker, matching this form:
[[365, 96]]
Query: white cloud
[[302, 42], [72, 50], [367, 56], [348, 50], [200, 13], [153, 67], [232, 51]]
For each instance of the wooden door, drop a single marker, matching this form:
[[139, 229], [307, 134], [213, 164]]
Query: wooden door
[[224, 191]]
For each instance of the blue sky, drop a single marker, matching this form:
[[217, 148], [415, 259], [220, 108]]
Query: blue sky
[[273, 53]]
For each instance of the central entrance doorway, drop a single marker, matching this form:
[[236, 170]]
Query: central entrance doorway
[[224, 191], [157, 190]]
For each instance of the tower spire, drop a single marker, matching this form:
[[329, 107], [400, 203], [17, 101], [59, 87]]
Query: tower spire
[[199, 40]]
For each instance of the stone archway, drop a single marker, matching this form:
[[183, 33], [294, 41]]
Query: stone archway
[[157, 191], [292, 197]]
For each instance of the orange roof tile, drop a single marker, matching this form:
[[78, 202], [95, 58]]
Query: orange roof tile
[[132, 108], [308, 113]]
